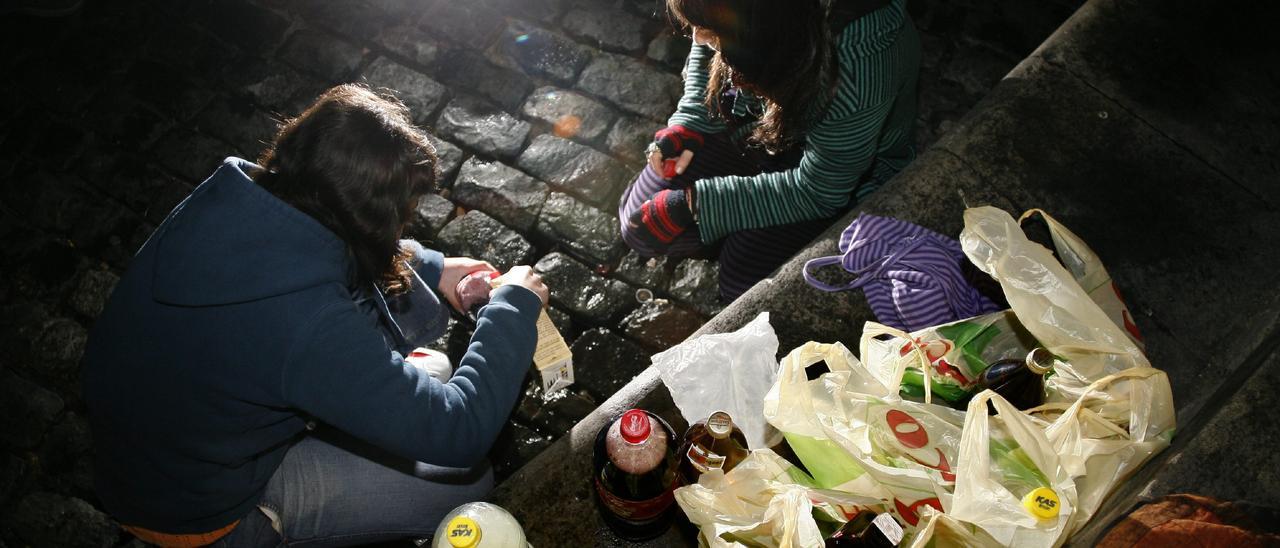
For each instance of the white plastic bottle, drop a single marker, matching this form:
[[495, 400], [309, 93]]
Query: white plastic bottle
[[479, 525]]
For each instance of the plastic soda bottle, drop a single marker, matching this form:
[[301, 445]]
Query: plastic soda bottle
[[635, 474], [479, 525], [711, 444], [473, 291]]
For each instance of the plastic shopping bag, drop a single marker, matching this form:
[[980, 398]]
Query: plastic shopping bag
[[1050, 303], [765, 501], [1011, 483], [728, 372], [1087, 269], [952, 355], [1120, 422], [853, 433], [942, 531]]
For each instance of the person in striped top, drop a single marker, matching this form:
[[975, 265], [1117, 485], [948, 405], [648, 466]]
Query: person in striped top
[[792, 112]]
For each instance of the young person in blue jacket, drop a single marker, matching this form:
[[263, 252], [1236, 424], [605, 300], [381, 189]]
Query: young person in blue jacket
[[278, 296]]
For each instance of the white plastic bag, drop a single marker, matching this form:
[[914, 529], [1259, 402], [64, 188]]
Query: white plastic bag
[[942, 531], [854, 434], [1087, 269], [728, 372], [1010, 481], [765, 501], [1049, 301], [1119, 423]]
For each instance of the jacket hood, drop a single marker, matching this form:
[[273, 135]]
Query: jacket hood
[[231, 241]]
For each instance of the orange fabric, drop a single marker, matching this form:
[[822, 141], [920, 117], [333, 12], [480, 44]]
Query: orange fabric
[[1187, 520], [180, 541]]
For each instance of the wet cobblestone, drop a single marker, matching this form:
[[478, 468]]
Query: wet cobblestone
[[482, 237], [432, 213], [604, 362], [576, 169], [660, 324], [482, 127], [420, 93], [504, 192], [571, 115], [577, 289], [585, 231]]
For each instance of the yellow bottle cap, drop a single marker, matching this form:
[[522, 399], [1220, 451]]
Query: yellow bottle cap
[[463, 532], [1042, 502]]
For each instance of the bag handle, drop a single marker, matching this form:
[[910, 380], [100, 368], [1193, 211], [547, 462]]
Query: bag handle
[[819, 262], [1092, 391], [864, 274], [872, 330]]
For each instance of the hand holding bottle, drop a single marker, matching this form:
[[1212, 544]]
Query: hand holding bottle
[[456, 268], [524, 276]]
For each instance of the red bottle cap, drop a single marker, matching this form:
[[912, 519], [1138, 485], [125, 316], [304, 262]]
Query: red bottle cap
[[635, 426], [669, 168]]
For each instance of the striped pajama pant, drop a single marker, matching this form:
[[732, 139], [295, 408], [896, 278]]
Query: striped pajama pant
[[746, 256]]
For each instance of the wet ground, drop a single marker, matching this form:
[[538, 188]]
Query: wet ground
[[541, 108]]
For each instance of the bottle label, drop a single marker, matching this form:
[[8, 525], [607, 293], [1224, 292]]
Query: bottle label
[[704, 460], [889, 528], [636, 511]]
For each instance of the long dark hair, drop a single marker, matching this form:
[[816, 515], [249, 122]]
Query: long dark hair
[[778, 50], [355, 162]]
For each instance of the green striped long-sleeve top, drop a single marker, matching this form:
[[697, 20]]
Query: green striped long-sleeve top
[[860, 141]]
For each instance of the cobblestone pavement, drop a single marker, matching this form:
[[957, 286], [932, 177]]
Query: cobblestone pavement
[[541, 109]]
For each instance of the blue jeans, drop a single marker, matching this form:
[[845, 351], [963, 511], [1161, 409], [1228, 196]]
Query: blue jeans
[[333, 490]]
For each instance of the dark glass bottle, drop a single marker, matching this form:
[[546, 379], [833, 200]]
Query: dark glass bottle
[[1019, 380], [635, 474], [714, 443], [867, 530]]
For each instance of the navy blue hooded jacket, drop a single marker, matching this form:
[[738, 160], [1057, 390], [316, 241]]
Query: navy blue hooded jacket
[[234, 324]]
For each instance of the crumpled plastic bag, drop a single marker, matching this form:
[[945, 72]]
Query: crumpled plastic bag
[[765, 501], [1004, 462], [942, 531], [853, 433], [728, 372]]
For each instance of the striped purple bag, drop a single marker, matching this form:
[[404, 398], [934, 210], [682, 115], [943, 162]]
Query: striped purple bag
[[911, 275]]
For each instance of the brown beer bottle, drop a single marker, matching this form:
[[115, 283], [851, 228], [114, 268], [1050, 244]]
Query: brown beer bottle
[[1018, 380], [867, 530], [635, 473], [714, 443]]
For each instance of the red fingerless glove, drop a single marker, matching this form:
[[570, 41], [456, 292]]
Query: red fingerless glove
[[660, 219], [676, 139]]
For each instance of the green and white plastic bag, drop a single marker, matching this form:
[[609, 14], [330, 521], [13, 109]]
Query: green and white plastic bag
[[765, 501]]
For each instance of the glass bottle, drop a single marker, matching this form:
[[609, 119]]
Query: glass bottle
[[635, 474], [1018, 380], [473, 291], [714, 443], [479, 525], [867, 530]]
